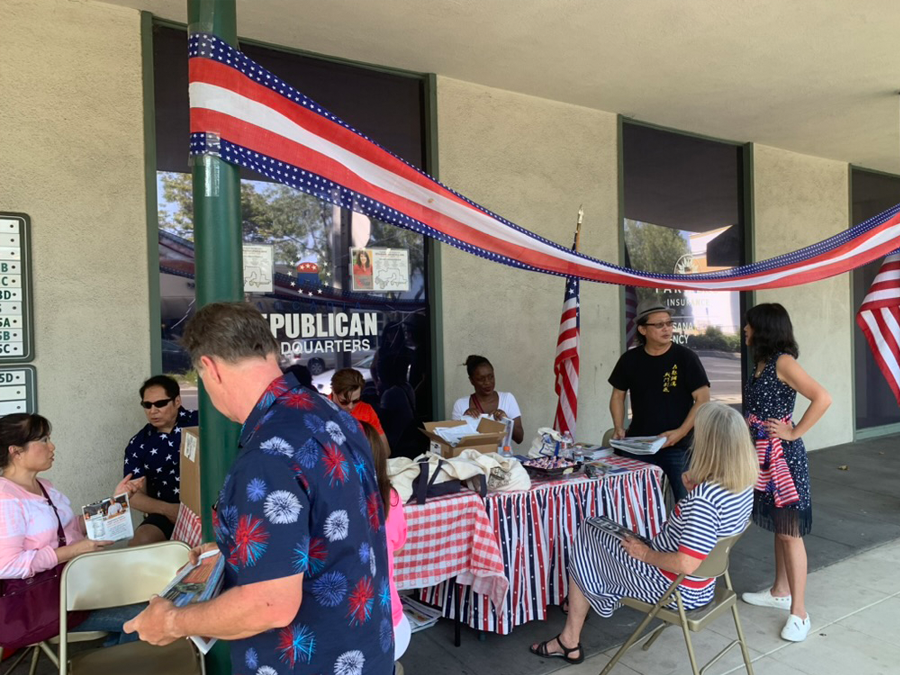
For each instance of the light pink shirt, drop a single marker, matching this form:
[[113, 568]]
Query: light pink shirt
[[395, 532], [28, 529]]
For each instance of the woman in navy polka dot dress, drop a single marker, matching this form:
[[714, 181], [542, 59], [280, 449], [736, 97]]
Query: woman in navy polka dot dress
[[781, 501]]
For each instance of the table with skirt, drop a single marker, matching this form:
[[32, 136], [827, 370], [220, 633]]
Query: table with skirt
[[500, 564]]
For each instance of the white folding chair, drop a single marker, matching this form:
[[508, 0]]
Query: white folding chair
[[123, 577]]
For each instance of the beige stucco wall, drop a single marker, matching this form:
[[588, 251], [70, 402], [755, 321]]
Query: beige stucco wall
[[534, 162], [71, 143], [798, 201]]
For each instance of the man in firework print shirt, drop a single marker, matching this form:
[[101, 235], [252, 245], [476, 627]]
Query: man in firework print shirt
[[299, 519]]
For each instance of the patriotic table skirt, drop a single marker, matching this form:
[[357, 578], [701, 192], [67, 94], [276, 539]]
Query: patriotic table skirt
[[451, 537], [534, 530]]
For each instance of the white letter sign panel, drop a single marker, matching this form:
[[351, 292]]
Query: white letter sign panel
[[18, 390], [16, 324]]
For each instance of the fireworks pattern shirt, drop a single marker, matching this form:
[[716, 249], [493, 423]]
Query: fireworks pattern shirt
[[302, 498]]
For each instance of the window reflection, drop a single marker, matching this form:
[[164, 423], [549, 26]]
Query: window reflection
[[684, 215], [318, 317]]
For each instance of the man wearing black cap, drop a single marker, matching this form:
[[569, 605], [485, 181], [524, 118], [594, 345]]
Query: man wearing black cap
[[668, 385]]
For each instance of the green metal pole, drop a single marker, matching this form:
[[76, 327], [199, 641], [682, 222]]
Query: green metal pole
[[219, 276]]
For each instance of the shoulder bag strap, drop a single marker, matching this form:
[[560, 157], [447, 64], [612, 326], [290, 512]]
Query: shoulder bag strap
[[437, 470], [60, 532], [422, 484]]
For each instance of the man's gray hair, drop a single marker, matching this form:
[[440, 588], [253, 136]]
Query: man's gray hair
[[231, 331]]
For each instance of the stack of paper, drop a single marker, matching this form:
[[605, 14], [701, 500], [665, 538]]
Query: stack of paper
[[197, 583], [420, 616], [453, 435], [640, 445]]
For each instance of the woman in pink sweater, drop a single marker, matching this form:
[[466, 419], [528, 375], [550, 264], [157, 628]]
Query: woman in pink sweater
[[395, 532], [29, 507]]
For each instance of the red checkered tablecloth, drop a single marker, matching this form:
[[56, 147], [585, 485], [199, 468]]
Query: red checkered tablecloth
[[451, 537]]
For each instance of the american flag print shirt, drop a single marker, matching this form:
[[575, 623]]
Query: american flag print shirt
[[154, 455]]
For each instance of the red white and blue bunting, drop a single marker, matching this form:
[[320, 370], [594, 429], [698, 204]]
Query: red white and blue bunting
[[249, 117]]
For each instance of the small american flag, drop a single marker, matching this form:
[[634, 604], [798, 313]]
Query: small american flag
[[565, 367], [631, 303], [879, 320]]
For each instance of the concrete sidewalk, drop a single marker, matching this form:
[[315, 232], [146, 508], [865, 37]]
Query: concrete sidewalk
[[855, 610]]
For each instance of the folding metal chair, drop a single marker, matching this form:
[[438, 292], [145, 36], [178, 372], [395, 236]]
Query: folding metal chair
[[695, 620], [35, 651], [607, 437], [123, 577]]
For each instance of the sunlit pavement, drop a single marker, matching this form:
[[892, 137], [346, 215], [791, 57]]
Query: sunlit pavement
[[854, 606]]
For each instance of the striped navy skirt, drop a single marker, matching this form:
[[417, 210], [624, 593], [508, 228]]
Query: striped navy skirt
[[605, 573]]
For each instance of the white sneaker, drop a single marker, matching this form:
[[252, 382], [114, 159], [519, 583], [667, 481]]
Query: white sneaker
[[796, 629], [766, 599]]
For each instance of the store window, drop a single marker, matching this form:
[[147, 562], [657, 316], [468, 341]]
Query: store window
[[342, 290], [876, 406], [684, 214]]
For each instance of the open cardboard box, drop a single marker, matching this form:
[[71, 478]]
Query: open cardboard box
[[490, 436], [189, 485]]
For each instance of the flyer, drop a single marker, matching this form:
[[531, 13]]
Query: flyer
[[109, 519], [379, 270]]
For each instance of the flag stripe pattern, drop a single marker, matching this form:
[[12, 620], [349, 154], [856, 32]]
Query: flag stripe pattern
[[249, 117], [879, 319], [565, 366], [535, 530]]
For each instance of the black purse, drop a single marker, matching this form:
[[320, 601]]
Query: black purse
[[29, 608], [424, 486]]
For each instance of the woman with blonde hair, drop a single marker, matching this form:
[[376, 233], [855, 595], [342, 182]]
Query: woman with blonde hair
[[603, 570]]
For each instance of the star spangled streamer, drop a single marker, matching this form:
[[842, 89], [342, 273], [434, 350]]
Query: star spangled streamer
[[250, 117]]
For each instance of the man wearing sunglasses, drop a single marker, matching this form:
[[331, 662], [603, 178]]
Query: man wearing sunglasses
[[668, 384], [153, 454]]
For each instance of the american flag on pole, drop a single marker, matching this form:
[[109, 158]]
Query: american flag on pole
[[248, 116], [879, 320], [565, 367], [631, 303]]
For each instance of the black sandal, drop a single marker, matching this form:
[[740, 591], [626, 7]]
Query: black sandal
[[543, 653]]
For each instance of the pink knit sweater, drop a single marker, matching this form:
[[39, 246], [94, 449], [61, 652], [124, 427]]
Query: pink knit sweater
[[28, 529]]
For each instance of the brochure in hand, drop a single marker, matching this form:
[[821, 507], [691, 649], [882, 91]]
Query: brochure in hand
[[109, 519], [197, 583], [613, 528], [640, 445]]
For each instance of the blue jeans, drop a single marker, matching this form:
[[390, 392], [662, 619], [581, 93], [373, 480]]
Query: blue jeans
[[111, 620], [673, 461]]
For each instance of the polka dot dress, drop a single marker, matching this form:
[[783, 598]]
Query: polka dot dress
[[766, 396]]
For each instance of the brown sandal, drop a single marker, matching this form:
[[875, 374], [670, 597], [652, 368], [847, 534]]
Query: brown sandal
[[542, 651]]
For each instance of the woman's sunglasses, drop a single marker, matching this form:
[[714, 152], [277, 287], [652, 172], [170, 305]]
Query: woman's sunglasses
[[161, 403]]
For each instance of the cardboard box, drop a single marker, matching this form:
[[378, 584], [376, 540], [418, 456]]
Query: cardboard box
[[189, 484], [490, 436]]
